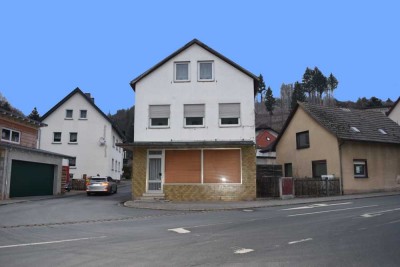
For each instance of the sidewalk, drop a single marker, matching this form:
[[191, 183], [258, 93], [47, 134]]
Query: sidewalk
[[210, 206]]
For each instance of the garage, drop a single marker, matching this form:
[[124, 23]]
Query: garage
[[31, 179]]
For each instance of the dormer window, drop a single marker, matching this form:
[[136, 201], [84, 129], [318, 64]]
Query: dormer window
[[206, 70], [181, 72]]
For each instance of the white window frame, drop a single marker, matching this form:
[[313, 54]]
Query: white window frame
[[228, 125], [212, 71], [72, 142], [358, 162], [66, 114], [80, 114], [175, 71], [159, 126], [11, 134], [193, 126], [54, 135]]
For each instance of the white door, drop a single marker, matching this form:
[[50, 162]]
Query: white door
[[154, 183]]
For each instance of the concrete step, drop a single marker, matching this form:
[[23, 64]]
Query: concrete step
[[150, 197]]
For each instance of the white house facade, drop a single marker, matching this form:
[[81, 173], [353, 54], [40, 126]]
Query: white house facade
[[194, 131], [77, 127], [394, 112]]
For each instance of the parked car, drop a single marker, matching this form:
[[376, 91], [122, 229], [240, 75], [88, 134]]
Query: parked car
[[98, 184]]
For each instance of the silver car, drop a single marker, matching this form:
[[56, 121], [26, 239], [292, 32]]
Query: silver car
[[98, 184]]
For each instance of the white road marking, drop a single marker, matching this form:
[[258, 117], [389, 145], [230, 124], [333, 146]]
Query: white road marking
[[51, 242], [299, 241], [179, 230], [248, 210], [243, 250], [377, 213], [318, 205], [327, 211]]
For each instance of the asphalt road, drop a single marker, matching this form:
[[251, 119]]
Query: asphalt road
[[98, 231]]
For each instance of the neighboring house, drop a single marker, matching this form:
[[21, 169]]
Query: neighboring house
[[24, 169], [265, 138], [394, 112], [77, 127], [194, 136], [360, 147]]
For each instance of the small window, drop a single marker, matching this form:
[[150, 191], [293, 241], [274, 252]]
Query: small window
[[10, 136], [302, 140], [194, 115], [159, 116], [360, 168], [68, 114], [229, 114], [83, 114], [206, 71], [57, 137], [73, 137], [181, 72], [288, 170], [72, 162], [319, 168]]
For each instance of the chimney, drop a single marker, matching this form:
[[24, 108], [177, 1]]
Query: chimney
[[89, 96]]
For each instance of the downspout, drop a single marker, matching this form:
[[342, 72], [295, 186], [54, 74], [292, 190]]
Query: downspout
[[341, 142]]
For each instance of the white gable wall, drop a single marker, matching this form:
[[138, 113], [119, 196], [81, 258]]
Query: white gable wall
[[230, 86], [91, 157], [395, 114]]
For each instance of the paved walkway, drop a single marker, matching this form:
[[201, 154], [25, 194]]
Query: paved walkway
[[209, 206]]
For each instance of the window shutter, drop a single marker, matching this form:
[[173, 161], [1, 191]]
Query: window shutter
[[229, 110], [159, 111], [196, 110]]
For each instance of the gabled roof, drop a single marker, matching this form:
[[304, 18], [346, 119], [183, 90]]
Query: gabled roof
[[89, 100], [21, 119], [394, 106], [339, 121], [209, 49]]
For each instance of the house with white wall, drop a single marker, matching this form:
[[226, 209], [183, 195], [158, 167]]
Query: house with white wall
[[77, 127], [394, 112], [194, 136]]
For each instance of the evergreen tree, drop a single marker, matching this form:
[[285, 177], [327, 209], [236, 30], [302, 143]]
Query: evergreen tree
[[298, 94], [308, 85], [261, 87], [319, 82], [34, 115], [269, 101]]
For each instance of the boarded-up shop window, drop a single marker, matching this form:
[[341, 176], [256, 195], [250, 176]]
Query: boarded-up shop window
[[182, 166], [222, 166]]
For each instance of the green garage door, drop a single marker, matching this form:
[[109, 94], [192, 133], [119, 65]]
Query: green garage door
[[31, 179]]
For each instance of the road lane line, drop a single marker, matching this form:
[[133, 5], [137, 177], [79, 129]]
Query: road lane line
[[327, 211], [318, 205], [377, 213], [179, 230], [299, 241], [51, 242], [243, 250]]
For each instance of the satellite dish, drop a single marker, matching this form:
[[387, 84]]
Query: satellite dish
[[102, 141]]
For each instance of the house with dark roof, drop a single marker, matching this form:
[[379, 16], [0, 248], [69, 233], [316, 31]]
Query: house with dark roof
[[77, 127], [360, 147], [394, 112], [194, 133], [265, 139], [26, 170]]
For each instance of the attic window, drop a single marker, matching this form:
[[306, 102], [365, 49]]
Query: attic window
[[354, 130], [382, 131]]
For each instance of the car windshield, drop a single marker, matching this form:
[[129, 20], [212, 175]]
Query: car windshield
[[95, 180]]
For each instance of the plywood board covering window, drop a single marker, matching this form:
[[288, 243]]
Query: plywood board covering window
[[183, 166], [222, 166]]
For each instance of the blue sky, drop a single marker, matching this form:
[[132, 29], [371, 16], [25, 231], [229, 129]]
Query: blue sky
[[48, 48]]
